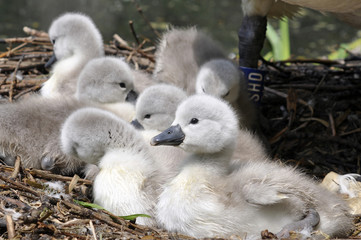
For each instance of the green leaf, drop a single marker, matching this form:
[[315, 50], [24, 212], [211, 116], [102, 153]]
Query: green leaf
[[88, 205], [134, 216], [280, 43], [93, 205]]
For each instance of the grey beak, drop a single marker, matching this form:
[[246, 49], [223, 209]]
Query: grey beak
[[173, 136], [131, 97], [51, 61], [137, 124]]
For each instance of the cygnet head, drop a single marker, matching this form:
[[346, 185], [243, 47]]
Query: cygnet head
[[106, 80], [203, 124], [73, 34], [156, 106], [219, 78], [86, 134]]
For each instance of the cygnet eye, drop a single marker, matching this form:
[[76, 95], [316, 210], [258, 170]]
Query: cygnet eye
[[203, 90], [194, 121], [122, 85], [225, 95], [147, 116]]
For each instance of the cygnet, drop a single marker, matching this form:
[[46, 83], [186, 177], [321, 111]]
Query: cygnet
[[76, 40], [207, 198], [181, 53], [156, 106], [221, 78], [126, 183], [30, 128], [155, 112], [106, 80]]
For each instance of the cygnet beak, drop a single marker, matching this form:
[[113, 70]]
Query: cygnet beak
[[131, 97], [51, 61], [173, 136], [137, 124]]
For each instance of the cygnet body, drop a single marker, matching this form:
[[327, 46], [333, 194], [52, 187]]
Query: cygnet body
[[31, 128], [126, 183], [76, 40], [207, 198]]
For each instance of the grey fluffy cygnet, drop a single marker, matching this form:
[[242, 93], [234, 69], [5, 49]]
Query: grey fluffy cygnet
[[208, 198], [181, 53], [126, 183], [106, 80], [76, 40], [156, 106], [155, 111], [30, 128], [221, 78]]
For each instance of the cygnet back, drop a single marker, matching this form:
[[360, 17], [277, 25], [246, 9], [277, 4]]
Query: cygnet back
[[180, 54], [76, 40], [30, 129]]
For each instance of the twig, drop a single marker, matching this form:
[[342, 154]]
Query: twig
[[284, 95], [31, 89], [12, 50], [314, 86], [48, 175], [133, 31], [93, 229], [32, 40], [19, 186], [16, 167], [10, 227], [140, 11], [332, 124], [14, 80], [34, 32], [321, 61], [73, 183]]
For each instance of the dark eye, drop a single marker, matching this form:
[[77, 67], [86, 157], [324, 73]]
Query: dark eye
[[203, 90], [122, 85], [53, 41], [194, 121], [225, 95], [147, 116]]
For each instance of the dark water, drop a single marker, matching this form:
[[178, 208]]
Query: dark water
[[312, 34]]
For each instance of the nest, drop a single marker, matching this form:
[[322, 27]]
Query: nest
[[311, 115]]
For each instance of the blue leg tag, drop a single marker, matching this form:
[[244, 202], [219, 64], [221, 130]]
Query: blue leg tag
[[255, 81]]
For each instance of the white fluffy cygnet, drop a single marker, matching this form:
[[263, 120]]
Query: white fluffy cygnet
[[76, 40], [209, 198], [126, 183]]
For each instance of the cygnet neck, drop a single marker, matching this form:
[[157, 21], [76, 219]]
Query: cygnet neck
[[218, 162]]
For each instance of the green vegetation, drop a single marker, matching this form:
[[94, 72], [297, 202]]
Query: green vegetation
[[96, 206], [280, 41]]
